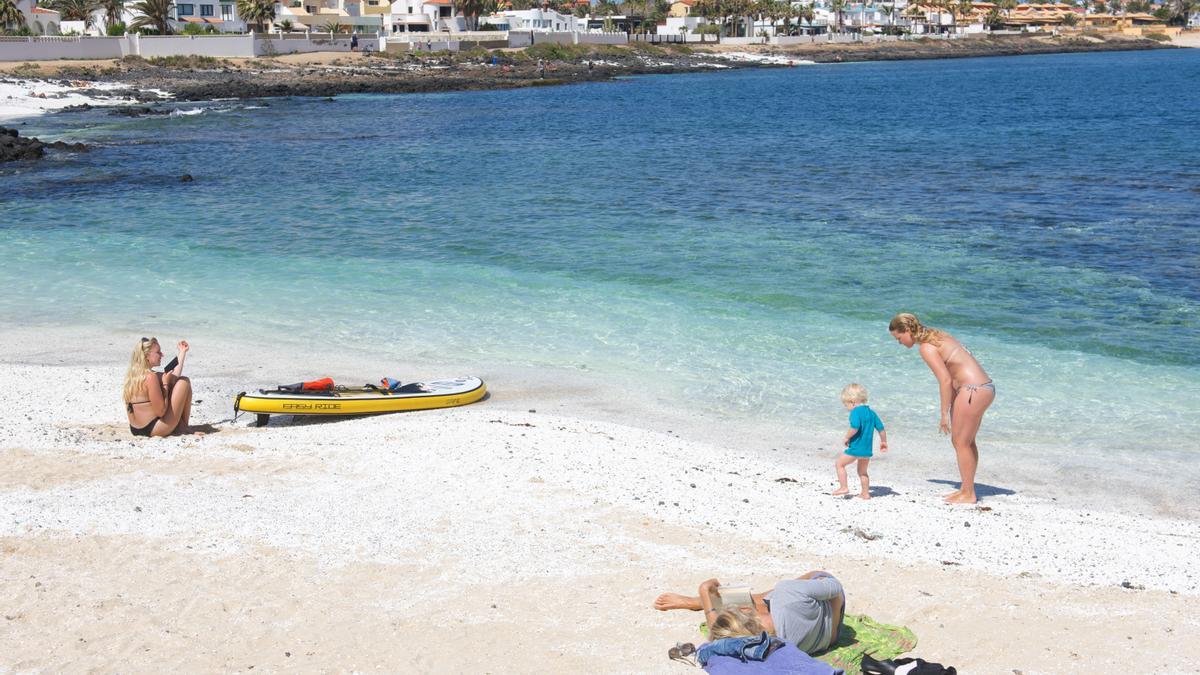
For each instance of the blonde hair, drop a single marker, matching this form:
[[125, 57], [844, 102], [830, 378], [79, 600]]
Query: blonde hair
[[909, 323], [854, 393], [735, 622], [139, 365]]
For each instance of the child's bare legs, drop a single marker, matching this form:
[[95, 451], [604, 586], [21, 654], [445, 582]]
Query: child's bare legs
[[863, 478], [843, 460]]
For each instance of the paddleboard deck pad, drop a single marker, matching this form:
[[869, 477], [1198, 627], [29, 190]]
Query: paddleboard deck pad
[[360, 400]]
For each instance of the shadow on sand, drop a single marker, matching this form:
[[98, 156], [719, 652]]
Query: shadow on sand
[[981, 489]]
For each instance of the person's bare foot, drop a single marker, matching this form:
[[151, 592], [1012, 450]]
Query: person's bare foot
[[839, 492], [676, 601], [865, 495], [961, 499], [951, 495]]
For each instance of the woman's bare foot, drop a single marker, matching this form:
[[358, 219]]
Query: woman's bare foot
[[839, 492], [951, 495], [865, 495], [961, 498], [676, 601]]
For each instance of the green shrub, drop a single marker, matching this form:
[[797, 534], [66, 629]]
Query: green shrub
[[115, 30], [27, 69], [184, 61], [555, 52], [1157, 37]]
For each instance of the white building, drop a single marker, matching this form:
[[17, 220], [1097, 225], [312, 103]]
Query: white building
[[39, 20], [321, 15], [424, 16], [536, 20], [220, 14]]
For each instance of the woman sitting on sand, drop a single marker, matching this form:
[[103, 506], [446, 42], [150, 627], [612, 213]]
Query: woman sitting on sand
[[806, 612], [964, 388], [157, 405]]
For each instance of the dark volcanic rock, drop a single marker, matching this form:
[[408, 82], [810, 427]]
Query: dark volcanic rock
[[137, 111], [14, 148]]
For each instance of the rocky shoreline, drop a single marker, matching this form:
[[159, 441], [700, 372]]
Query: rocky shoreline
[[207, 79], [14, 148]]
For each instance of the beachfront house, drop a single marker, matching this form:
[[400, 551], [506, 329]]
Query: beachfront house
[[535, 20], [424, 16], [681, 8], [327, 16], [39, 20], [219, 16]]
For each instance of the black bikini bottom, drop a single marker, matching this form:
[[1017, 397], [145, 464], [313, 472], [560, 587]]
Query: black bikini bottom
[[143, 431]]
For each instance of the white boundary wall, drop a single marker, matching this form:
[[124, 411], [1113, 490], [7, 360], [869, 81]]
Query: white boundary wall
[[47, 48], [220, 46], [566, 38]]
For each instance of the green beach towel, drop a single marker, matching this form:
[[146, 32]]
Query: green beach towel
[[860, 634]]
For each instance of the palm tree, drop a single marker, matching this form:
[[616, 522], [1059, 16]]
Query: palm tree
[[805, 13], [838, 6], [916, 13], [113, 12], [471, 10], [965, 8], [708, 10], [10, 15], [156, 13], [76, 10], [258, 12], [1180, 10]]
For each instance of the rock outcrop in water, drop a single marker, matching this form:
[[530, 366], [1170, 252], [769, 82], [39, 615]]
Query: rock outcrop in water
[[14, 148]]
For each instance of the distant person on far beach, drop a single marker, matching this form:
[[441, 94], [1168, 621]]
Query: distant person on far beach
[[157, 405], [964, 389], [806, 612], [860, 439], [353, 43]]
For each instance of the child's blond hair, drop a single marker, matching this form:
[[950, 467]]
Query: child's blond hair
[[854, 393]]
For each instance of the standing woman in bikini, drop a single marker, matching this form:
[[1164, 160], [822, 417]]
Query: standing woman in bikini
[[964, 388], [157, 405]]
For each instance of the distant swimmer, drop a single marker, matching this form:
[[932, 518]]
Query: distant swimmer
[[964, 388]]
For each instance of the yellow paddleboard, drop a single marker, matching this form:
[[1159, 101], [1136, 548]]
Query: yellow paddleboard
[[361, 401]]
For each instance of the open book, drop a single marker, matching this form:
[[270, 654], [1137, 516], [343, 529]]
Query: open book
[[730, 596]]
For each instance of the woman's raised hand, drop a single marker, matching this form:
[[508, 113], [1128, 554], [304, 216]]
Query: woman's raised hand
[[182, 346]]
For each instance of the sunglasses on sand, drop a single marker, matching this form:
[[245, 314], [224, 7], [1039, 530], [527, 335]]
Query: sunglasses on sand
[[683, 652]]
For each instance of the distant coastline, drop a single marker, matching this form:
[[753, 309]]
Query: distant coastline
[[330, 74]]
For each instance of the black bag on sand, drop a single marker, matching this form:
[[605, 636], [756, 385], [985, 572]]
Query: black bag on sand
[[905, 666]]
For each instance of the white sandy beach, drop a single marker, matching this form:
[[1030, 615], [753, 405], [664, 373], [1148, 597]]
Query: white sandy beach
[[23, 97], [527, 533]]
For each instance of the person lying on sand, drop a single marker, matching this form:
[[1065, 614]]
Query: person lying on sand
[[157, 405], [806, 612]]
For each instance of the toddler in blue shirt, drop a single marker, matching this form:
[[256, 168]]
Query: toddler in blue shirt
[[859, 439]]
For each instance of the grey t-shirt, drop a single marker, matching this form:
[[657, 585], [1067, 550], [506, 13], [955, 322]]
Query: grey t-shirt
[[802, 611]]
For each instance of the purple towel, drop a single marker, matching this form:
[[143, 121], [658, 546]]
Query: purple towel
[[787, 660]]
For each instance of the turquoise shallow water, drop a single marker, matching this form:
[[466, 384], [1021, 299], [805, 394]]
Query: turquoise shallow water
[[735, 239]]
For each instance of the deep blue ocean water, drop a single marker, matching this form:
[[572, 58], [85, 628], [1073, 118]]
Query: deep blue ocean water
[[735, 239]]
